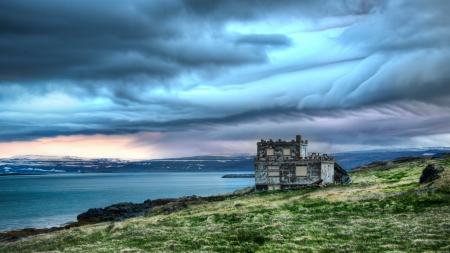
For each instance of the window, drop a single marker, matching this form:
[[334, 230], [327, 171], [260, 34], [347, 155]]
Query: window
[[301, 171], [274, 173], [287, 151], [269, 151]]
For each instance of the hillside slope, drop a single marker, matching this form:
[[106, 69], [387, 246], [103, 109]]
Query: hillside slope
[[384, 210]]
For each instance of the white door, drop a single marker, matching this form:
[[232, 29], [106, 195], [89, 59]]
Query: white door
[[327, 173]]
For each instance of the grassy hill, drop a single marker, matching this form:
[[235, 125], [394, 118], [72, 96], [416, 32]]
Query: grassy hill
[[384, 210]]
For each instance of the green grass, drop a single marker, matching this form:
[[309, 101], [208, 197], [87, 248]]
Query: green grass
[[385, 211]]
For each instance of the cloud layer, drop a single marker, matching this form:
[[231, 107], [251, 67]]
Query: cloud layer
[[363, 72]]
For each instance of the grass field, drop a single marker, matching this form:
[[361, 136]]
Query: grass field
[[382, 211]]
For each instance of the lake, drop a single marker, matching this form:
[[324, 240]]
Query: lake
[[51, 200]]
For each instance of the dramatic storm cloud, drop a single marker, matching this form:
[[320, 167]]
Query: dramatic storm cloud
[[175, 78]]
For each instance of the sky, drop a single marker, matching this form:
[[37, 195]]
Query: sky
[[155, 79]]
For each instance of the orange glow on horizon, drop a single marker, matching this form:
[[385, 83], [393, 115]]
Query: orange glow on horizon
[[92, 146]]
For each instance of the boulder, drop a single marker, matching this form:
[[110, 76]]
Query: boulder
[[430, 173], [116, 212]]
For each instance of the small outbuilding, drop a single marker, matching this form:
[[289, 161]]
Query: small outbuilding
[[286, 164]]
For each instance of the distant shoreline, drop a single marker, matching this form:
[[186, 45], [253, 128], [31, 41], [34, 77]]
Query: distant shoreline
[[93, 172], [20, 174], [239, 176]]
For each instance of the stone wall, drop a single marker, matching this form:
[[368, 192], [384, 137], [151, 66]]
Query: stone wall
[[286, 156]]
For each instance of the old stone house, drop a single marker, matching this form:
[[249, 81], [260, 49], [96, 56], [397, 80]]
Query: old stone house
[[286, 164]]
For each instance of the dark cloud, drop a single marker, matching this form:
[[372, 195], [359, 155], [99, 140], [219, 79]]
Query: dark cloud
[[254, 9], [342, 71], [110, 40], [263, 39], [402, 26]]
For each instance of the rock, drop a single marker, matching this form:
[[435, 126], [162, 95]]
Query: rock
[[430, 173], [163, 201], [121, 211], [116, 212]]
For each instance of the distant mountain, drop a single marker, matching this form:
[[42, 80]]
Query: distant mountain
[[34, 164], [350, 160]]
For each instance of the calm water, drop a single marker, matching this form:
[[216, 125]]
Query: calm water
[[51, 200]]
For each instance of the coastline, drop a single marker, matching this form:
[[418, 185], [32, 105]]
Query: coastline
[[71, 194], [122, 211], [380, 195], [168, 205], [19, 174], [239, 176]]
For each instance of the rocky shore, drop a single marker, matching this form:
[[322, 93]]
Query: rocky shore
[[122, 211], [125, 210]]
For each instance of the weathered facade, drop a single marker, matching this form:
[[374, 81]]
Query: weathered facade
[[286, 164]]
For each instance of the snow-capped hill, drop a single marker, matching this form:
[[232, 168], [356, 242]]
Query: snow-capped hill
[[37, 164], [60, 158]]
